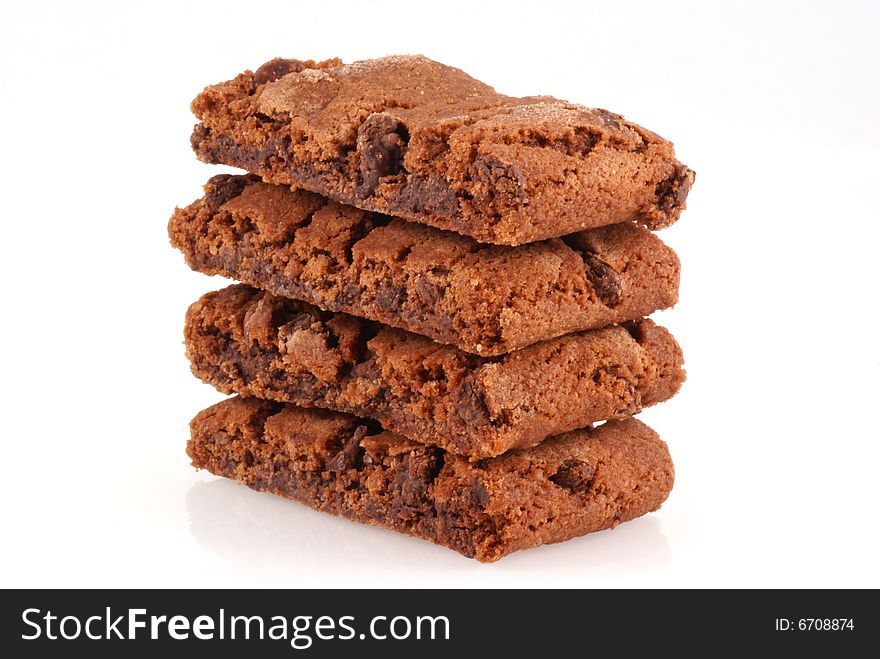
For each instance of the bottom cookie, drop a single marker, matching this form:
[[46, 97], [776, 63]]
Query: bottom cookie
[[567, 486]]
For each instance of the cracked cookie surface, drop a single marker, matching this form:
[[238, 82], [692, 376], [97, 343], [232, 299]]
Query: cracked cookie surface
[[251, 342], [484, 299], [413, 138]]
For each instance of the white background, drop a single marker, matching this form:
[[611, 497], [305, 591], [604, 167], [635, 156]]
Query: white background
[[774, 436]]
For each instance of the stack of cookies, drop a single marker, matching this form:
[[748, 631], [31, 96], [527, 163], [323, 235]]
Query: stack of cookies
[[443, 291]]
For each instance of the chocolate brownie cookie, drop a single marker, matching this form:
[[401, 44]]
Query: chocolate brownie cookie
[[250, 342], [426, 142], [484, 299], [572, 484]]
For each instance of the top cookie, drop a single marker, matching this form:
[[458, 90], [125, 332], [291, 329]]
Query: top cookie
[[410, 137]]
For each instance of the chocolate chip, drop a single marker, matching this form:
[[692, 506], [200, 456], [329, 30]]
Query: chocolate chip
[[673, 192], [606, 281], [574, 475], [349, 294], [381, 142], [607, 118], [351, 454], [417, 472], [276, 68], [428, 291], [391, 299], [479, 494], [223, 187], [470, 405], [432, 196]]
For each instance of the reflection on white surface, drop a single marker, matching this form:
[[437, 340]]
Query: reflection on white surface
[[267, 537]]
